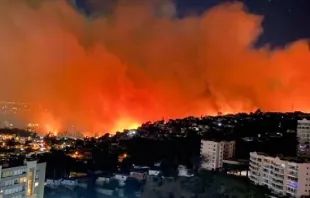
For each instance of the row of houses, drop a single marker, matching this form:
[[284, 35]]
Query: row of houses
[[139, 173], [213, 154], [61, 182]]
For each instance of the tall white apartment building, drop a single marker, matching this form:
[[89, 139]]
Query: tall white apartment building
[[303, 137], [212, 154], [25, 181], [281, 175]]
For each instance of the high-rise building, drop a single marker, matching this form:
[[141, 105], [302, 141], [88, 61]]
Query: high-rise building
[[303, 137], [229, 149], [214, 152], [24, 181], [281, 175]]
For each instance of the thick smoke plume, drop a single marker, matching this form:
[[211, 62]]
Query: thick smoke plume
[[137, 62]]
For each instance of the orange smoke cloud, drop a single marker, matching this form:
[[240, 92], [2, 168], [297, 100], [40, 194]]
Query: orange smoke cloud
[[49, 124], [138, 62]]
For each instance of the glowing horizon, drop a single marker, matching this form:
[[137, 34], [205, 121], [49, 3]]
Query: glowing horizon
[[139, 62]]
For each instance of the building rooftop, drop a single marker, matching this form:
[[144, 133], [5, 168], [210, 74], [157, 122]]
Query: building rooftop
[[303, 121], [139, 170], [10, 163], [218, 139], [287, 158]]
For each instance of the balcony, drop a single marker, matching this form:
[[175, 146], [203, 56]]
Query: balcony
[[292, 174], [253, 178], [253, 159], [277, 181], [12, 173], [12, 191], [16, 194], [278, 171], [266, 170], [277, 188], [13, 177], [254, 164]]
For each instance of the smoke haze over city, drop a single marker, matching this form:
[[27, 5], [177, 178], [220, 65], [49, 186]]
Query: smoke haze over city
[[138, 62]]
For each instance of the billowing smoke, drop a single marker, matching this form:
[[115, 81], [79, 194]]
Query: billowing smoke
[[136, 62]]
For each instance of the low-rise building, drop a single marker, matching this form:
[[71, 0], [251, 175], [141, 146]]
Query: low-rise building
[[154, 172], [69, 182], [104, 179], [121, 178], [23, 181], [281, 175], [183, 171], [53, 183], [138, 174]]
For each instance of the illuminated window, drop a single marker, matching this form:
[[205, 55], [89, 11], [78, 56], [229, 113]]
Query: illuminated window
[[30, 182], [22, 180]]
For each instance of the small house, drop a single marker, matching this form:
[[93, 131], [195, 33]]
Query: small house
[[183, 171], [104, 179], [68, 182], [154, 172], [121, 178], [139, 173]]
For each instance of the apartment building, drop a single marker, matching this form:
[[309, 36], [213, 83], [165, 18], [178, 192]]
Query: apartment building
[[212, 154], [229, 149], [303, 137], [281, 175], [24, 181]]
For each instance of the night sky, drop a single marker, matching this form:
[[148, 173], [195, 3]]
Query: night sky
[[285, 21]]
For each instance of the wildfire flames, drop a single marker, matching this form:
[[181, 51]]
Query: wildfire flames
[[137, 62]]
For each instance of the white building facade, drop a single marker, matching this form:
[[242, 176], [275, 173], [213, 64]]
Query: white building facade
[[121, 178], [25, 181], [214, 152], [282, 176], [303, 137]]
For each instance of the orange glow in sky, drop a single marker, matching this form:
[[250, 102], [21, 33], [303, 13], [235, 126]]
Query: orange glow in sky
[[50, 129], [139, 63], [125, 124], [49, 124]]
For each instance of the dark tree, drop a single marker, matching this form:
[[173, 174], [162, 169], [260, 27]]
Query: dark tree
[[168, 168], [132, 186]]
